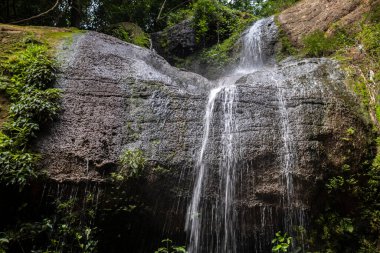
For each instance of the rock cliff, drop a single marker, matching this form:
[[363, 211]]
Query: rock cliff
[[117, 96]]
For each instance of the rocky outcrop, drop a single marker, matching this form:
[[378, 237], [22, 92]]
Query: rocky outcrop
[[117, 96], [176, 41], [307, 16]]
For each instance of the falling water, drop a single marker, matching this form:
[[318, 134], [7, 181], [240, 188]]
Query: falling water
[[219, 222], [194, 220], [288, 156]]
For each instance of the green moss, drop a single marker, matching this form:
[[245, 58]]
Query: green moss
[[130, 33], [49, 36]]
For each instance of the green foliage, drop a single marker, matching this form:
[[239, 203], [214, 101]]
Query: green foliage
[[4, 241], [350, 131], [170, 248], [281, 243], [178, 16], [370, 38], [31, 67], [286, 46], [27, 76], [17, 167], [213, 22], [271, 7], [318, 44], [220, 54], [373, 16], [349, 220], [130, 33], [67, 230], [132, 165]]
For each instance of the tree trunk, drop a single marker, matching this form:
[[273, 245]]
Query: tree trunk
[[75, 13], [7, 8]]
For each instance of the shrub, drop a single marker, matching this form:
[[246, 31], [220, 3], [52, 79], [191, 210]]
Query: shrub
[[27, 76], [213, 22], [132, 164], [317, 44], [370, 38], [31, 67], [170, 248], [281, 242], [220, 54], [179, 16], [130, 33]]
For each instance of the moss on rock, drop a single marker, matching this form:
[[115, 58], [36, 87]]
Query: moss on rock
[[129, 32]]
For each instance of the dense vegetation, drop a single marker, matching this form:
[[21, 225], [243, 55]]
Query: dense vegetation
[[27, 78], [346, 219], [350, 220]]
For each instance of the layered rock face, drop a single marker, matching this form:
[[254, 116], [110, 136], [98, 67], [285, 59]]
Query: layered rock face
[[307, 16], [117, 97]]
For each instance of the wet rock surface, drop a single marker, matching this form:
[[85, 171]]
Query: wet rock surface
[[117, 96]]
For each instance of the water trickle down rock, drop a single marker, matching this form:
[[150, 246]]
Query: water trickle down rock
[[212, 226], [117, 96], [215, 220]]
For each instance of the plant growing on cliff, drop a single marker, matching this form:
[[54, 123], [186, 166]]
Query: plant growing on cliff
[[349, 218], [27, 77], [130, 33], [170, 248], [132, 163], [281, 242]]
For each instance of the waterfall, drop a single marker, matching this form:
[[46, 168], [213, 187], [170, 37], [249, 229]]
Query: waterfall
[[212, 219]]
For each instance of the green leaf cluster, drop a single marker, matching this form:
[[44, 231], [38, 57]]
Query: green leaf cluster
[[132, 163], [170, 248], [318, 44], [350, 219], [281, 242], [68, 229], [27, 77], [220, 54], [213, 21], [268, 8], [130, 33]]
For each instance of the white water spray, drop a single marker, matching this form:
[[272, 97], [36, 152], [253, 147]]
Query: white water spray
[[220, 224]]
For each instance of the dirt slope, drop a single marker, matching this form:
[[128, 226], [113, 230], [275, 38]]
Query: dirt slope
[[310, 15]]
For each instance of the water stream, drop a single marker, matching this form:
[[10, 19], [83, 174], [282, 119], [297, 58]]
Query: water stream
[[212, 219]]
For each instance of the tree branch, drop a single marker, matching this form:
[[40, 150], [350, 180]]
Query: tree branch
[[37, 16], [162, 7]]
